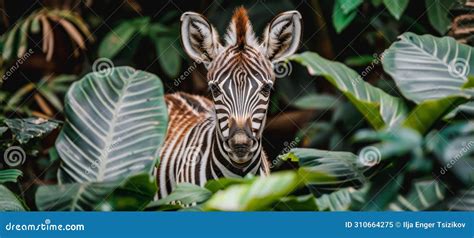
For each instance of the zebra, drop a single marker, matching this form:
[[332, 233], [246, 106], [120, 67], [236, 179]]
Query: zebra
[[222, 137]]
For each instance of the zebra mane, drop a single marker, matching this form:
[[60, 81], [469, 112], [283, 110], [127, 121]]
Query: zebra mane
[[240, 31]]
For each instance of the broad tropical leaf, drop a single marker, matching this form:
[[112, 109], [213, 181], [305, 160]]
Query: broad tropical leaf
[[463, 201], [257, 195], [438, 14], [341, 200], [341, 17], [328, 169], [454, 149], [10, 175], [427, 67], [132, 194], [348, 6], [184, 193], [168, 54], [425, 114], [297, 203], [424, 195], [26, 129], [8, 201], [378, 107], [316, 101], [223, 183], [116, 123], [396, 7]]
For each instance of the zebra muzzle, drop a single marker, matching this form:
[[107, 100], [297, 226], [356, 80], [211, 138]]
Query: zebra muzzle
[[241, 140], [240, 144]]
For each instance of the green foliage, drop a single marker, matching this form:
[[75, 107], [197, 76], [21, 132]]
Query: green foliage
[[424, 195], [316, 101], [438, 14], [343, 14], [419, 157], [257, 195], [9, 201], [127, 124], [16, 40], [10, 175], [378, 107], [121, 35], [427, 67], [184, 193], [24, 130], [131, 194], [396, 7], [425, 114], [453, 146], [165, 38]]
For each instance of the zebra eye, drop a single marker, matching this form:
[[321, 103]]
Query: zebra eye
[[215, 90], [265, 91]]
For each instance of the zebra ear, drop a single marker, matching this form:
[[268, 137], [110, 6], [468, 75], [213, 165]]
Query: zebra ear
[[199, 38], [282, 36]]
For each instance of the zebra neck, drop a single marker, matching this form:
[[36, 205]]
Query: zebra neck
[[220, 164]]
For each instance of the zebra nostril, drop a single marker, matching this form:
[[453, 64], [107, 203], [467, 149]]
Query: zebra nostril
[[240, 144], [240, 150]]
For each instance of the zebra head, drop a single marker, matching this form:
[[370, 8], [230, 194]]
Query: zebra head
[[240, 73]]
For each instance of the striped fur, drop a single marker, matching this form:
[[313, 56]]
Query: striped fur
[[462, 27], [222, 138]]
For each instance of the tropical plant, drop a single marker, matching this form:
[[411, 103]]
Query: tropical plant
[[390, 129]]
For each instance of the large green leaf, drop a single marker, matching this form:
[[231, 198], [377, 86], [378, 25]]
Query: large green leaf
[[184, 193], [341, 19], [257, 195], [297, 203], [438, 14], [454, 148], [425, 114], [28, 128], [316, 101], [223, 183], [131, 194], [463, 201], [10, 175], [378, 107], [396, 7], [167, 51], [427, 67], [423, 195], [328, 169], [348, 6], [116, 123], [8, 201], [341, 200]]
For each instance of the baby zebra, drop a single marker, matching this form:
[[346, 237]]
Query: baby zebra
[[223, 137]]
